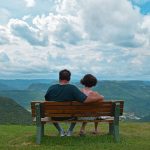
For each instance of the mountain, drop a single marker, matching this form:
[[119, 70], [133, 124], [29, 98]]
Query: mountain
[[22, 84], [12, 113], [5, 87], [136, 94], [34, 91], [24, 97], [38, 87], [145, 119]]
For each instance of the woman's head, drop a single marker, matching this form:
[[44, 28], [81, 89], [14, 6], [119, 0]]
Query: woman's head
[[88, 80]]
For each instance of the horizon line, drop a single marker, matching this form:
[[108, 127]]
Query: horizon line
[[78, 79]]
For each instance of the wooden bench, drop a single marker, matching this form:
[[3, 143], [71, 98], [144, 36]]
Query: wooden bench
[[42, 110]]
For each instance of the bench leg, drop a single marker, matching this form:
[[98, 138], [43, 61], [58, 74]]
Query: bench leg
[[39, 124], [114, 130], [111, 128], [116, 133], [116, 122], [39, 133], [42, 130]]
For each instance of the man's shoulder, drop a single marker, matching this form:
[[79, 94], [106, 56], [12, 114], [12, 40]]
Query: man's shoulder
[[71, 86], [53, 86], [66, 86]]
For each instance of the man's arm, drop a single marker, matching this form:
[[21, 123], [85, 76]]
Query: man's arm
[[47, 95], [94, 97]]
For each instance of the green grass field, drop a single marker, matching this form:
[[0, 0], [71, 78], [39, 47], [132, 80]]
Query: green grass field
[[134, 136]]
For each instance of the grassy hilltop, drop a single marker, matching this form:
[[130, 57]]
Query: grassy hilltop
[[13, 113], [134, 136]]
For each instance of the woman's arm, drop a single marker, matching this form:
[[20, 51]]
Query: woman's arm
[[94, 97]]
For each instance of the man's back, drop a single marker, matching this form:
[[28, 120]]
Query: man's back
[[65, 92]]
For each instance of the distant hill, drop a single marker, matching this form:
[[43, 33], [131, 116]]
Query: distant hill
[[24, 97], [12, 113], [22, 84], [145, 118], [5, 87], [136, 94], [38, 86]]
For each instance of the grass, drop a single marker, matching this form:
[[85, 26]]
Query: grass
[[134, 136]]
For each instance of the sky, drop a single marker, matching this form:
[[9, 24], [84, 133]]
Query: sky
[[107, 38]]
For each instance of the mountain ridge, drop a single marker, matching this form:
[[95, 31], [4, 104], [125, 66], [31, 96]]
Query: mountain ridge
[[135, 94], [13, 113]]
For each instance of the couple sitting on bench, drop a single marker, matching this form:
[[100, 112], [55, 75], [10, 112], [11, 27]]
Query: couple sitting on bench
[[64, 92]]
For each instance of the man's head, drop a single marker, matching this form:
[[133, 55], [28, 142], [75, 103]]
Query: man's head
[[64, 75]]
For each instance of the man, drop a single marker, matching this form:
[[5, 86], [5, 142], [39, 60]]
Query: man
[[64, 92]]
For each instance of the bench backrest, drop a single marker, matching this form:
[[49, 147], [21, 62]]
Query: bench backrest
[[67, 109]]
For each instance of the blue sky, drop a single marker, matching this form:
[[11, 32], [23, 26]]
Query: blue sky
[[110, 39]]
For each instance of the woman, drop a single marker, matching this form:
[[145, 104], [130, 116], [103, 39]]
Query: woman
[[88, 81]]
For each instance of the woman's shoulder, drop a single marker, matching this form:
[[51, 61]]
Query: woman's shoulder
[[87, 91]]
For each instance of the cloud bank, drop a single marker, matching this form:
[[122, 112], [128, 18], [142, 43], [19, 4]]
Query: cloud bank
[[110, 39]]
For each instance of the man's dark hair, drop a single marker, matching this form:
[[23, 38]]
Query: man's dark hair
[[88, 80], [64, 75]]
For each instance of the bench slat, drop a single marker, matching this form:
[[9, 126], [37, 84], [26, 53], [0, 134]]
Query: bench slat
[[79, 114], [46, 119], [49, 114], [78, 110], [75, 108]]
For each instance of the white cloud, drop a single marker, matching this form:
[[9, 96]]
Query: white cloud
[[109, 39], [4, 57], [4, 35], [60, 28], [145, 30], [30, 3], [24, 61], [23, 30], [4, 15], [66, 7], [26, 17], [108, 21]]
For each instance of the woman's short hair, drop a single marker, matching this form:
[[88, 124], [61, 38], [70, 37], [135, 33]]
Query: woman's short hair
[[65, 75], [88, 80]]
